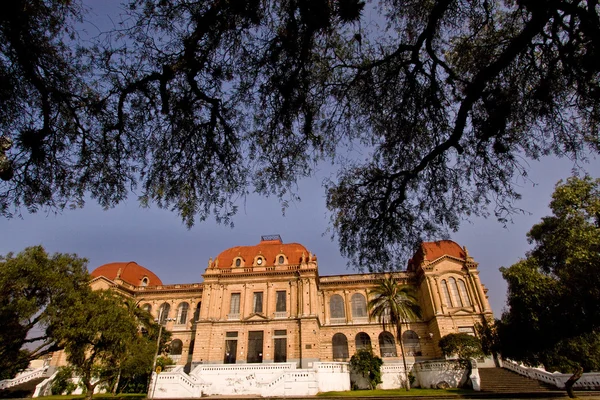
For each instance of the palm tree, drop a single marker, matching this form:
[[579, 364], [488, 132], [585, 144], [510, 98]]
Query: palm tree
[[394, 305]]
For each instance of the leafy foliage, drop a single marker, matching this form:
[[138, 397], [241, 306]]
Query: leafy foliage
[[35, 290], [98, 334], [463, 345], [394, 305], [200, 103], [368, 365], [62, 382], [553, 317]]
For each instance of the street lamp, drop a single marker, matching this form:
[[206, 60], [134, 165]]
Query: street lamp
[[157, 349]]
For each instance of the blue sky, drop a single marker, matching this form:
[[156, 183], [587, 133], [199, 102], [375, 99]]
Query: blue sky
[[159, 241]]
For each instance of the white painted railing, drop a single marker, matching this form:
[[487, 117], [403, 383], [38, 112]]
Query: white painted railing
[[589, 380], [23, 377]]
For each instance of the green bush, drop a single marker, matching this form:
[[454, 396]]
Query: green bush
[[62, 382], [368, 365]]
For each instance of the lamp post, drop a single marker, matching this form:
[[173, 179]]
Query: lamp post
[[157, 349]]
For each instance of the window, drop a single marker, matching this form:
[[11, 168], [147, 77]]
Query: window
[[340, 347], [176, 347], [387, 347], [462, 288], [182, 312], [336, 306], [362, 341], [412, 347], [281, 259], [234, 306], [258, 302], [280, 306], [454, 293], [163, 313], [359, 306], [446, 293], [230, 348], [145, 281], [259, 261], [238, 262]]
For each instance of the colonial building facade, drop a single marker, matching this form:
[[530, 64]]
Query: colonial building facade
[[267, 303]]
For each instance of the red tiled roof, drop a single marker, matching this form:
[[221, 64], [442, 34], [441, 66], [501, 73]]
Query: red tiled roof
[[434, 250], [131, 272], [269, 249]]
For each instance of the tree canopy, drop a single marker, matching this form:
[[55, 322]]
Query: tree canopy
[[196, 104], [463, 345], [553, 315], [35, 288], [101, 338]]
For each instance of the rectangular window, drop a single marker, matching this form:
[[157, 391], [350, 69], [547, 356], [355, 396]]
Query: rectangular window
[[234, 306], [281, 302], [258, 302]]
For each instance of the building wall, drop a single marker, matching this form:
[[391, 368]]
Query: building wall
[[448, 288]]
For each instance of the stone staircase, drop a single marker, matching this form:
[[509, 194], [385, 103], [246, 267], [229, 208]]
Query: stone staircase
[[500, 380]]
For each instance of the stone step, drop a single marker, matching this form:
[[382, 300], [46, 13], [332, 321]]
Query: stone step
[[504, 380]]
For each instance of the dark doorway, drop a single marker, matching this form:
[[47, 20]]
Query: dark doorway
[[280, 350], [230, 351], [255, 347]]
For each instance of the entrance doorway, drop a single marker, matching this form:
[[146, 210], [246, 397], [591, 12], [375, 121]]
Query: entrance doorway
[[255, 347]]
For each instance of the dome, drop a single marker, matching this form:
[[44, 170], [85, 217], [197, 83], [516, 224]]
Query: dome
[[269, 249], [130, 272], [434, 250]]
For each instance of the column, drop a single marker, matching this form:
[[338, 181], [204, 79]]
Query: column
[[484, 301], [434, 295]]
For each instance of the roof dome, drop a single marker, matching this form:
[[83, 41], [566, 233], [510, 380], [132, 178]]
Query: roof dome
[[433, 250], [130, 272], [269, 249]]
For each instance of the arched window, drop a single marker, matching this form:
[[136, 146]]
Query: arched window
[[176, 347], [387, 346], [454, 293], [362, 341], [336, 306], [340, 347], [145, 281], [182, 312], [359, 306], [446, 293], [412, 347], [163, 313], [462, 288], [238, 262], [281, 259]]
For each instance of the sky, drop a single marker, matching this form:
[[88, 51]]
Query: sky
[[158, 240]]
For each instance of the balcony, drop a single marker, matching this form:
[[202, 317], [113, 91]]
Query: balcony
[[233, 317], [280, 314]]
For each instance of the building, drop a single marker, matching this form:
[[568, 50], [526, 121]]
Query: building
[[267, 304]]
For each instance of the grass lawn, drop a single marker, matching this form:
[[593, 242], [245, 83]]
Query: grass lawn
[[99, 396], [397, 392]]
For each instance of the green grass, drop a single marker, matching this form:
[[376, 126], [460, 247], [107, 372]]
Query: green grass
[[397, 392], [99, 396]]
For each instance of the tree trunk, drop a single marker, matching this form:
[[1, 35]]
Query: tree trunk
[[117, 382], [89, 390], [571, 381], [403, 357]]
